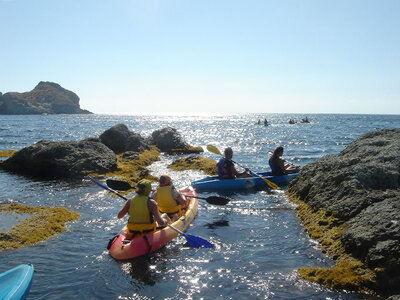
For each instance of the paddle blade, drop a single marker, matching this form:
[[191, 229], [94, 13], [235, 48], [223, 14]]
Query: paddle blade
[[217, 200], [213, 149], [271, 184], [119, 185], [197, 242]]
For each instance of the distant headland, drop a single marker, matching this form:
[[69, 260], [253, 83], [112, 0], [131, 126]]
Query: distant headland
[[45, 98]]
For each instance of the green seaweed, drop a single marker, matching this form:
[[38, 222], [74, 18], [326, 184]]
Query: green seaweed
[[348, 273], [44, 223], [195, 163], [7, 153]]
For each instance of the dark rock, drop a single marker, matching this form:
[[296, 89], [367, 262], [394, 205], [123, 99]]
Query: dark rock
[[360, 187], [45, 98], [47, 159], [168, 139], [119, 139]]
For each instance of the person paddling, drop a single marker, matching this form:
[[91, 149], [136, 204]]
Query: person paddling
[[170, 202], [226, 169], [143, 211], [277, 164]]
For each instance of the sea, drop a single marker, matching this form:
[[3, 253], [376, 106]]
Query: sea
[[259, 240]]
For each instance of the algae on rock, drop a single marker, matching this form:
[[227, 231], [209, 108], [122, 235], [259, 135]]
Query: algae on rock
[[195, 163], [44, 223]]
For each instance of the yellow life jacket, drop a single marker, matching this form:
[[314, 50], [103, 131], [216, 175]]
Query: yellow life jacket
[[166, 203], [140, 217]]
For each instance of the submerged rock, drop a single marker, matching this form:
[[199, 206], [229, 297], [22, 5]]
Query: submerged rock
[[360, 187], [47, 159], [43, 223]]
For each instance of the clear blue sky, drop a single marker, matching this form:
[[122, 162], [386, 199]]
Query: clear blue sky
[[207, 56]]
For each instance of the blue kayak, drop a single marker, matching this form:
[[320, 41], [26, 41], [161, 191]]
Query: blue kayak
[[212, 183], [16, 283]]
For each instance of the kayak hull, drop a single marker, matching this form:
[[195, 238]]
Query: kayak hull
[[150, 242], [16, 283], [212, 183]]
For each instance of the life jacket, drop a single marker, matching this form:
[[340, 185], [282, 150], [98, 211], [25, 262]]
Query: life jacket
[[275, 170], [225, 168], [140, 218], [166, 203]]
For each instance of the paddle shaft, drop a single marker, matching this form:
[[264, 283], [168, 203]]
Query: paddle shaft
[[125, 186], [268, 182], [176, 229], [107, 188]]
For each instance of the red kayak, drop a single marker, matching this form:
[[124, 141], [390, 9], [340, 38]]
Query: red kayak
[[121, 248]]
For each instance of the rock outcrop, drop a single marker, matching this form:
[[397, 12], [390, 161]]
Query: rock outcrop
[[45, 98], [120, 139], [169, 140], [360, 187], [46, 159], [116, 146]]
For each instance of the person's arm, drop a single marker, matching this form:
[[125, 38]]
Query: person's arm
[[124, 209], [280, 164], [181, 199], [153, 207], [234, 172]]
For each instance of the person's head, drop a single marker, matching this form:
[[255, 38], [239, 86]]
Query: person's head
[[143, 187], [165, 180], [228, 152], [278, 152]]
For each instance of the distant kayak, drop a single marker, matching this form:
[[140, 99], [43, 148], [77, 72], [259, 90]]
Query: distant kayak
[[212, 183], [16, 283], [305, 120], [122, 248]]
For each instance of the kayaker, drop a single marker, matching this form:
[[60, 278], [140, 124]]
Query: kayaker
[[277, 164], [169, 201], [226, 169], [143, 211]]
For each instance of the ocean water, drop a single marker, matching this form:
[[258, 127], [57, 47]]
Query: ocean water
[[259, 241]]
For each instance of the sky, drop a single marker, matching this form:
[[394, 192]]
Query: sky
[[180, 56]]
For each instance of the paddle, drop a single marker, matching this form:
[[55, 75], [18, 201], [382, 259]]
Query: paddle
[[125, 186], [215, 150], [193, 241]]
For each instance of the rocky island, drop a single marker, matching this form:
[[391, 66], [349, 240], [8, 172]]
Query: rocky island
[[45, 98]]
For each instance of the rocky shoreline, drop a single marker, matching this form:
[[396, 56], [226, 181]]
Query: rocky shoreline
[[350, 203]]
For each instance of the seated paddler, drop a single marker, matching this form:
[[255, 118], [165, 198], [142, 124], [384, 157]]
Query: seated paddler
[[278, 166], [143, 211], [226, 169], [169, 201]]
